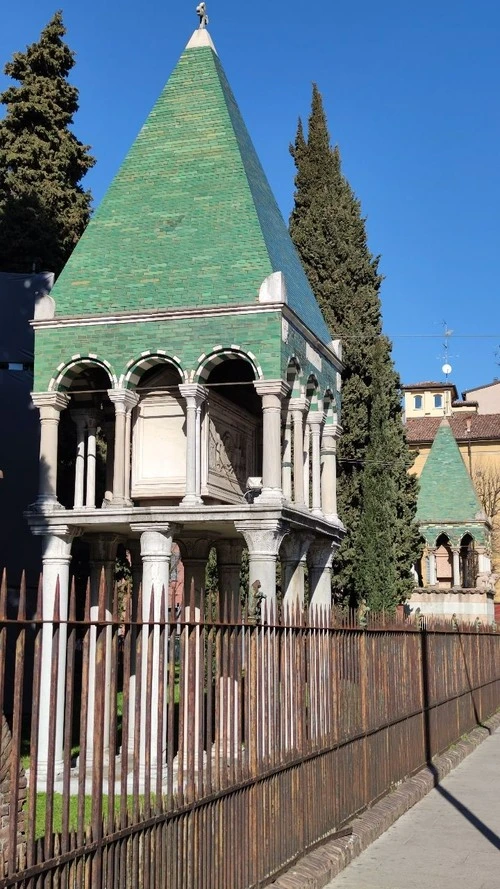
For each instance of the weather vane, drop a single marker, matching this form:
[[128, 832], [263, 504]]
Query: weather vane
[[201, 11]]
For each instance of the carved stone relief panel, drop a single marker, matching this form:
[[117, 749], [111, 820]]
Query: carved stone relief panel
[[232, 449]]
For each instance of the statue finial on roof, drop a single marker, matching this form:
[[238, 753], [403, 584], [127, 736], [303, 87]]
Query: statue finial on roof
[[201, 11]]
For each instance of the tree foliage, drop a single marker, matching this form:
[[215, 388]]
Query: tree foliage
[[43, 207], [329, 232]]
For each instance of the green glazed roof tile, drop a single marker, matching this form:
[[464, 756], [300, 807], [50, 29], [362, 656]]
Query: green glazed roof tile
[[190, 219], [446, 489]]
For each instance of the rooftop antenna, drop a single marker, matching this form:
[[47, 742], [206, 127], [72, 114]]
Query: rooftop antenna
[[201, 12], [446, 368]]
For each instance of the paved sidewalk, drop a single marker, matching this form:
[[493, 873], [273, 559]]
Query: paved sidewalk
[[450, 840]]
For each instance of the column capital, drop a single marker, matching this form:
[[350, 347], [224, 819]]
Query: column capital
[[272, 387], [58, 401], [263, 537], [123, 399], [229, 551], [194, 548], [156, 540], [296, 545], [332, 430], [315, 421], [321, 552], [56, 546], [299, 404], [195, 392]]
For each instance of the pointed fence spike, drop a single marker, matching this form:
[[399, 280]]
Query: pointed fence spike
[[57, 602], [192, 601], [39, 599], [101, 611], [163, 606], [72, 601], [3, 595], [87, 602], [21, 611]]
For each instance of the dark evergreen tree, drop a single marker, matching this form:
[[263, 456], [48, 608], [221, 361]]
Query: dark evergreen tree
[[43, 207], [329, 232]]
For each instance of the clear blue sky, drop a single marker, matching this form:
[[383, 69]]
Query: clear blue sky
[[412, 96]]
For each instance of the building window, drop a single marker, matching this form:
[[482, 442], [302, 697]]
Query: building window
[[417, 402], [438, 401]]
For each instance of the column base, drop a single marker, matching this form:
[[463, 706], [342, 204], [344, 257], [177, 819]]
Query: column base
[[273, 496], [45, 505], [191, 500], [116, 503]]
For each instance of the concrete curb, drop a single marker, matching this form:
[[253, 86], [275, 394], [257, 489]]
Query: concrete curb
[[317, 868]]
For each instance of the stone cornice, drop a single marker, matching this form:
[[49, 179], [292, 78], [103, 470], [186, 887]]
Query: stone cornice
[[188, 312]]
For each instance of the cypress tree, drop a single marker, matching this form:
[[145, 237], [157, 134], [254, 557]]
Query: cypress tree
[[329, 232], [43, 207]]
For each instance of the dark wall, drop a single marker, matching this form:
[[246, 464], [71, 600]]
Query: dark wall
[[19, 425]]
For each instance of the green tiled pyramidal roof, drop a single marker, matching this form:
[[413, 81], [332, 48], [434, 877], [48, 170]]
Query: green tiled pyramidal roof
[[190, 219], [446, 490]]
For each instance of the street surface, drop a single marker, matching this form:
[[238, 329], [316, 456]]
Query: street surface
[[450, 840]]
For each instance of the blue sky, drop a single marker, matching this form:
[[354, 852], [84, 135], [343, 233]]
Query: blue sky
[[411, 92]]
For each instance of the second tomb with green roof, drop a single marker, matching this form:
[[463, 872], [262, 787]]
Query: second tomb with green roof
[[451, 519]]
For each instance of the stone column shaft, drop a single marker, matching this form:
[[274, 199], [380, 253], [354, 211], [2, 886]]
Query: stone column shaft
[[456, 567], [79, 418], [56, 558], [306, 464], [272, 392], [287, 458], [315, 425], [432, 568], [294, 553], [320, 557], [298, 408], [91, 461], [50, 405], [329, 470], [194, 396], [124, 401], [156, 551]]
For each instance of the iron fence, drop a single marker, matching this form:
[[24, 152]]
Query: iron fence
[[207, 750]]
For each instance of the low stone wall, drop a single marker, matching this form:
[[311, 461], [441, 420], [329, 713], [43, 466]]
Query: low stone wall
[[465, 605], [5, 813]]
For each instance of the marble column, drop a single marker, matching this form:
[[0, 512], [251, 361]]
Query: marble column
[[110, 451], [156, 551], [194, 396], [91, 460], [134, 548], [320, 558], [229, 554], [286, 471], [56, 558], [272, 392], [263, 539], [331, 434], [124, 401], [79, 417], [102, 563], [298, 409], [315, 424], [194, 554], [50, 405], [432, 567], [306, 465], [456, 566], [293, 561]]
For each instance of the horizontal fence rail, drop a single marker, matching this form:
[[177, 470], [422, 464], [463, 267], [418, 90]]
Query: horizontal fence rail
[[141, 747]]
